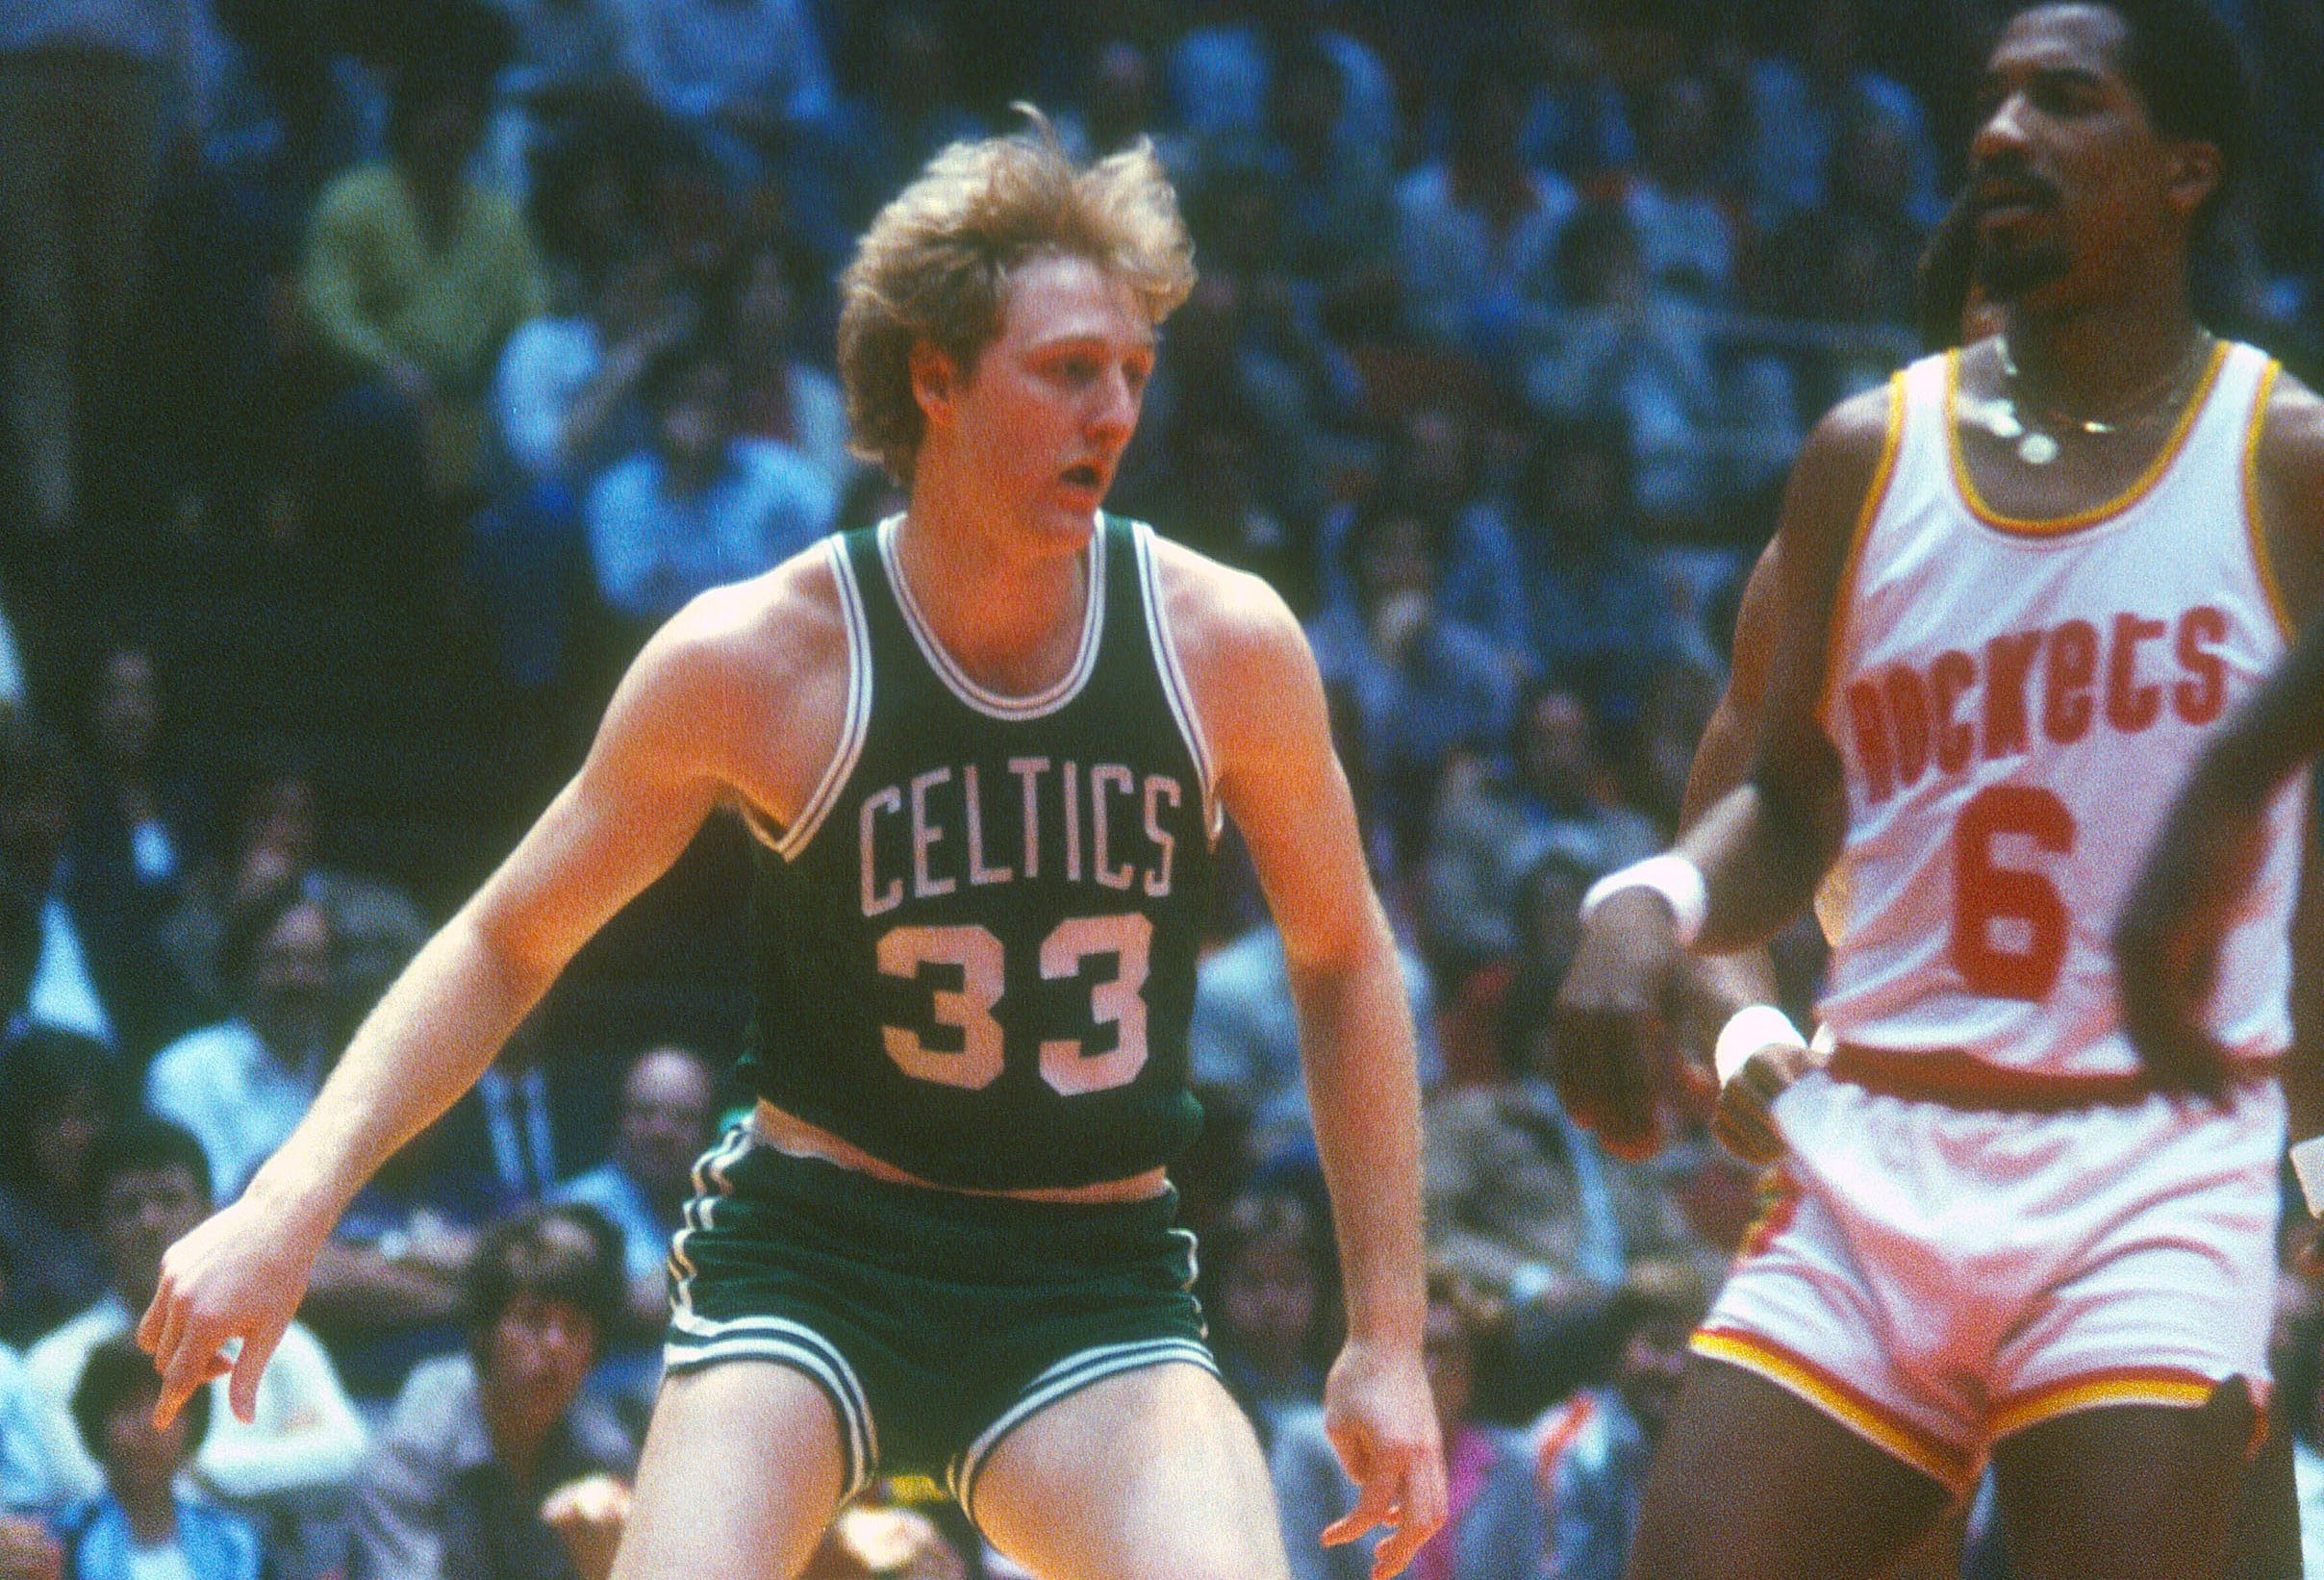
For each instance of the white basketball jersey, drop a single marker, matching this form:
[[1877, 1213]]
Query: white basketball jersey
[[2018, 703]]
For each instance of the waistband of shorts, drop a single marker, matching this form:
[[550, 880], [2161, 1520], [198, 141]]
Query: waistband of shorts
[[1955, 1079], [789, 1134]]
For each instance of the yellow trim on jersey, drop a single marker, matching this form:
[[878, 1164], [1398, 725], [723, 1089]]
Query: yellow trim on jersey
[[2254, 518], [1951, 1468], [2036, 527], [1843, 596], [2123, 1385]]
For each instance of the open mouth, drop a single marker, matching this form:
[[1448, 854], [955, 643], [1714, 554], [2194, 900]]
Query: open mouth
[[2011, 200], [1085, 476]]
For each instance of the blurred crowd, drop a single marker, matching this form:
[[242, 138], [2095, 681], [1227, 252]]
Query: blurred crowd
[[378, 373]]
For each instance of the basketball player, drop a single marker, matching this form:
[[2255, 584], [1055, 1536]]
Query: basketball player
[[2014, 593], [986, 749]]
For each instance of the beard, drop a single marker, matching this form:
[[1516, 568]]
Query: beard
[[2006, 270]]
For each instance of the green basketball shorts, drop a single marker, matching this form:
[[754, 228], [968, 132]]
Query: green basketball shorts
[[934, 1321]]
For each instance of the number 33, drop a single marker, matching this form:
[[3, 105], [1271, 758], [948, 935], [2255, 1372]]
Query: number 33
[[1065, 1063]]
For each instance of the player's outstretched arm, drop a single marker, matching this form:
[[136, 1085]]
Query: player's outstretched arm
[[1261, 706], [648, 785], [2168, 934], [1762, 847]]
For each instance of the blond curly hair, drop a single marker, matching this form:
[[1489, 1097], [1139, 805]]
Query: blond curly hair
[[936, 261]]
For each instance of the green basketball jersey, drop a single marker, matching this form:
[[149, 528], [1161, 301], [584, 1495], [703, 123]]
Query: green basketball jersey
[[976, 945]]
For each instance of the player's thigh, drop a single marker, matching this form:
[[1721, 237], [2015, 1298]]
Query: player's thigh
[[2127, 1493], [1153, 1474], [740, 1476], [1753, 1483]]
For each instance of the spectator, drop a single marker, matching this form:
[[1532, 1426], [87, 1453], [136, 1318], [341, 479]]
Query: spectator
[[27, 1486], [563, 394], [289, 1466], [566, 52], [37, 780], [132, 847], [60, 1094], [1549, 927], [90, 97], [1592, 1450], [1525, 1203], [667, 1109], [1492, 828], [749, 68], [1423, 684], [1270, 1326], [1576, 121], [415, 277], [1687, 236], [142, 1524], [1222, 73], [1617, 347], [1475, 233], [1496, 1528], [1337, 195], [1118, 107], [242, 1084], [565, 400], [702, 506], [1798, 107], [479, 1441], [1434, 467], [781, 397], [274, 838], [1596, 614], [876, 140]]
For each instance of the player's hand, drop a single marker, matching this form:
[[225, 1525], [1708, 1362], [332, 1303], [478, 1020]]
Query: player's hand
[[1744, 1121], [1611, 1045], [2167, 952], [236, 1279], [589, 1515], [1381, 1420]]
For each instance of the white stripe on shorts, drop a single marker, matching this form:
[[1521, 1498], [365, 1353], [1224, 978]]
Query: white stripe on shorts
[[1070, 1375], [697, 1342]]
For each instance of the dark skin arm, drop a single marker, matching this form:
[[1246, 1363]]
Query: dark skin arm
[[2167, 938], [1742, 1121], [1764, 845]]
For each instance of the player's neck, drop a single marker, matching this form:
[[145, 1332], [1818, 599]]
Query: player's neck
[[1007, 609], [2093, 357]]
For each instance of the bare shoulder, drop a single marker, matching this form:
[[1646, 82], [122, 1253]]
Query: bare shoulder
[[752, 680], [1246, 659], [1841, 460], [1221, 616], [2289, 467]]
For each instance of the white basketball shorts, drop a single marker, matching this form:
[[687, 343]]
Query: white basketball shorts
[[1937, 1278]]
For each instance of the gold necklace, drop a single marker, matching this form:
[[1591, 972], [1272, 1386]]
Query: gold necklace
[[2038, 447]]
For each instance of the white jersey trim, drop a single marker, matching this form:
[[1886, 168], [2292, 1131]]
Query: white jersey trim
[[1173, 675], [991, 703], [854, 727]]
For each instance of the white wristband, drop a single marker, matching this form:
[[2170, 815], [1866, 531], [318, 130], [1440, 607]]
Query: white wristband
[[1749, 1029], [2308, 1166], [1671, 875]]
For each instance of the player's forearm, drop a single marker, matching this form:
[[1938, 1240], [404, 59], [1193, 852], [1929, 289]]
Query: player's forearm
[[1761, 852], [431, 1035], [1356, 1035]]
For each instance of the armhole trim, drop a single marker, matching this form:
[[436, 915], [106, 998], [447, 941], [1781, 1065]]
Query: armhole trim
[[2254, 516], [1173, 676], [1843, 592], [857, 724]]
